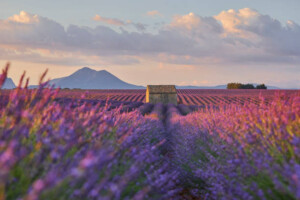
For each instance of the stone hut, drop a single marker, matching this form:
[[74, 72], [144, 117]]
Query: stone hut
[[161, 94]]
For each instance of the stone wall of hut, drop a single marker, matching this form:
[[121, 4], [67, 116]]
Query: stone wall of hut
[[161, 94]]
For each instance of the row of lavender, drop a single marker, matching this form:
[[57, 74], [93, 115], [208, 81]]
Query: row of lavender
[[239, 152], [78, 150], [201, 97], [236, 151]]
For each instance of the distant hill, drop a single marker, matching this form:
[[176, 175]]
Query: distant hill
[[219, 87], [8, 84], [87, 78]]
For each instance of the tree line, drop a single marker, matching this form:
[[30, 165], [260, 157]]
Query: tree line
[[245, 86]]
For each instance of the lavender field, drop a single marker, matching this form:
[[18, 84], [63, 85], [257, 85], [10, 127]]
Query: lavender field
[[53, 147]]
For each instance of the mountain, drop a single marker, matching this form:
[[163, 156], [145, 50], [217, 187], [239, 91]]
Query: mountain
[[87, 78], [220, 87], [8, 84]]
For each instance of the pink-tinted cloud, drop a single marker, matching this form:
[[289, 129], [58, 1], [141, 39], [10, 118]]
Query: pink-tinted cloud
[[118, 22], [232, 20], [154, 13], [242, 36], [110, 21]]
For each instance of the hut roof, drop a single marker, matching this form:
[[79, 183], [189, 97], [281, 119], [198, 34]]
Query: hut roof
[[158, 89]]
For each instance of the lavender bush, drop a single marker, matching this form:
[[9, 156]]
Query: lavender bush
[[50, 150], [56, 147], [241, 152]]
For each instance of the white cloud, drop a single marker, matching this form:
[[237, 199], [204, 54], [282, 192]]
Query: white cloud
[[25, 18]]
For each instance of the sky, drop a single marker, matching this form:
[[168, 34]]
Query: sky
[[183, 42]]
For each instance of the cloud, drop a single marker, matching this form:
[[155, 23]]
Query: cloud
[[196, 27], [24, 17], [154, 13], [31, 31], [139, 26], [232, 21], [232, 37], [110, 21], [261, 31], [118, 22]]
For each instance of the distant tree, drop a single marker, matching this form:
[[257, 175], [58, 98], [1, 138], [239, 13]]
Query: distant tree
[[261, 86], [234, 86], [240, 86], [248, 86]]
